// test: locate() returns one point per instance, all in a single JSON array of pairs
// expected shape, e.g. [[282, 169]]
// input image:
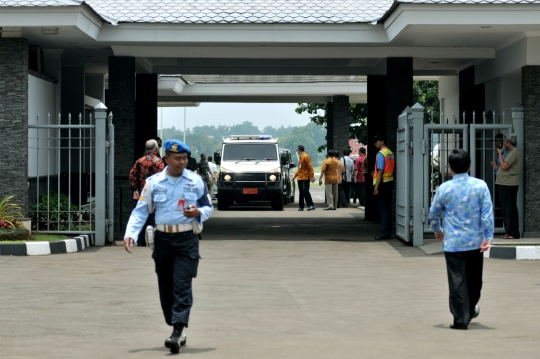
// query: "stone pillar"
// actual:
[[146, 109], [121, 102], [340, 123], [376, 98], [14, 120], [530, 91], [399, 94], [472, 98], [329, 126]]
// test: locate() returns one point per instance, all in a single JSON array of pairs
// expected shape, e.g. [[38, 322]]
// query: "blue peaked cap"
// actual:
[[176, 146]]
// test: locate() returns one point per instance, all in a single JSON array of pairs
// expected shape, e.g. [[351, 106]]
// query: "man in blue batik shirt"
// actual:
[[465, 205], [181, 203]]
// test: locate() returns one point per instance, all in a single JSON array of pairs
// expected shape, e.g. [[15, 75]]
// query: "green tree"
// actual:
[[357, 119], [427, 94]]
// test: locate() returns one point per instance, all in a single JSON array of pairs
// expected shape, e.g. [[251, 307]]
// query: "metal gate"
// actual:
[[71, 175], [422, 156]]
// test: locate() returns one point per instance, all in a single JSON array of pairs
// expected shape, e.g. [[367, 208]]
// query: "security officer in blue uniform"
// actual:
[[180, 198]]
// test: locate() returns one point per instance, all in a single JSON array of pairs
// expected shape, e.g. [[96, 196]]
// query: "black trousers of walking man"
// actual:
[[303, 188], [465, 283]]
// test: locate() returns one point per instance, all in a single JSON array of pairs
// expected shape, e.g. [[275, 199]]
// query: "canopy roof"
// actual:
[[246, 11]]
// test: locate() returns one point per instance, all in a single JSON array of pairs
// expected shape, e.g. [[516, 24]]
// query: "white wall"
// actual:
[[449, 96], [42, 101]]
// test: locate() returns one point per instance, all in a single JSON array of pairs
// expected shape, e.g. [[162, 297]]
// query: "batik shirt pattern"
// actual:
[[465, 205], [144, 167]]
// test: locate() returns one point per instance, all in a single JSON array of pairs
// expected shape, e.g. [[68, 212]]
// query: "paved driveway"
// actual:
[[302, 286]]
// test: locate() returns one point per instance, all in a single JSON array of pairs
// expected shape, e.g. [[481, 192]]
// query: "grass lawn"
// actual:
[[40, 238]]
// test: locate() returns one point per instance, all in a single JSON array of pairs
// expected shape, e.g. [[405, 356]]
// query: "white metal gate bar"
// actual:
[[402, 170], [447, 137], [95, 155]]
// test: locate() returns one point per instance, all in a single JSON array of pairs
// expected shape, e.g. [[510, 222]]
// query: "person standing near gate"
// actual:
[[359, 179], [383, 185], [508, 184], [143, 168], [465, 205], [181, 203], [329, 171], [344, 188], [304, 174]]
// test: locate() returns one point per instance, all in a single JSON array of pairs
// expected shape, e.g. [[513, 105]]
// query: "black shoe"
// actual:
[[380, 238], [328, 209], [456, 326], [476, 311], [312, 208], [173, 342], [301, 209]]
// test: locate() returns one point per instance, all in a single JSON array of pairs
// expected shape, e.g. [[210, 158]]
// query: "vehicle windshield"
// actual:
[[249, 152]]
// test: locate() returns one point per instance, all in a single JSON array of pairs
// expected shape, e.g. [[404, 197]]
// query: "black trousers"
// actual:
[[508, 196], [464, 282], [347, 190], [176, 256], [303, 188], [359, 193], [384, 201]]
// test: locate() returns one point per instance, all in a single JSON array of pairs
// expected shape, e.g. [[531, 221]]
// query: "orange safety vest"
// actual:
[[389, 164]]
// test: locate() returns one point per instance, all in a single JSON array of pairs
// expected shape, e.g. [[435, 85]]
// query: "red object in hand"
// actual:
[[182, 202]]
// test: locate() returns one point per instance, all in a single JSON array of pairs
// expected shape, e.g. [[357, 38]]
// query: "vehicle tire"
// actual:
[[223, 203], [277, 203]]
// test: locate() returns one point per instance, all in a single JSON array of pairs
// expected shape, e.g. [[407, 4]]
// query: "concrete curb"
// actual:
[[513, 252], [75, 244]]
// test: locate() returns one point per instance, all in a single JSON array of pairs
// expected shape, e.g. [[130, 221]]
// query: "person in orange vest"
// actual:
[[383, 185]]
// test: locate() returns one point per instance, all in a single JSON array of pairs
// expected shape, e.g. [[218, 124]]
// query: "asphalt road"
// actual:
[[270, 285]]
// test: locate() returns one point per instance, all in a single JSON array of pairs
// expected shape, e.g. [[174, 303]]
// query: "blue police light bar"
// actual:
[[250, 137]]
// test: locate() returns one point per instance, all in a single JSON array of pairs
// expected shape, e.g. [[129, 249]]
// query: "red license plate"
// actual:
[[249, 191]]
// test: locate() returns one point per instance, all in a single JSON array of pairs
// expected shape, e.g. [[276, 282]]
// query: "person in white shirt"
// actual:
[[213, 175]]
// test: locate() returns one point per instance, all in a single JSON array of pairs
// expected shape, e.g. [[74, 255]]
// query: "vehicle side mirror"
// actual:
[[217, 158], [284, 158]]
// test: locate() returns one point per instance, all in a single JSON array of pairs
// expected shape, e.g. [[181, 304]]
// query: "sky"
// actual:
[[214, 114]]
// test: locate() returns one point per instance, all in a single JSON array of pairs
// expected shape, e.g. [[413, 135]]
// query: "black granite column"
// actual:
[[376, 98], [340, 124], [329, 126], [146, 110], [14, 120], [530, 92], [121, 102]]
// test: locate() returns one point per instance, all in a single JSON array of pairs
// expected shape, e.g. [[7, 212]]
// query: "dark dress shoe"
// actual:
[[379, 238], [458, 326], [328, 209], [476, 311], [301, 209], [312, 208]]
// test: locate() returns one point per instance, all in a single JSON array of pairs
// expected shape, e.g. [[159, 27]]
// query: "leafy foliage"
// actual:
[[427, 94], [9, 212], [357, 119], [57, 216]]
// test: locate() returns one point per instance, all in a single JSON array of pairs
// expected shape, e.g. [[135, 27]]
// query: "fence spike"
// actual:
[[503, 117], [474, 117], [48, 118], [59, 118], [464, 122], [484, 117], [80, 118], [69, 118], [453, 117], [494, 117]]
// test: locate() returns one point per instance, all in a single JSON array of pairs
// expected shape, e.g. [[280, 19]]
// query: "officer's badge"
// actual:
[[174, 148]]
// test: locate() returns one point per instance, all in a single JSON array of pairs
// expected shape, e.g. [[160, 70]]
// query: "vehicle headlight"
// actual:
[[227, 178], [224, 170], [273, 178]]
